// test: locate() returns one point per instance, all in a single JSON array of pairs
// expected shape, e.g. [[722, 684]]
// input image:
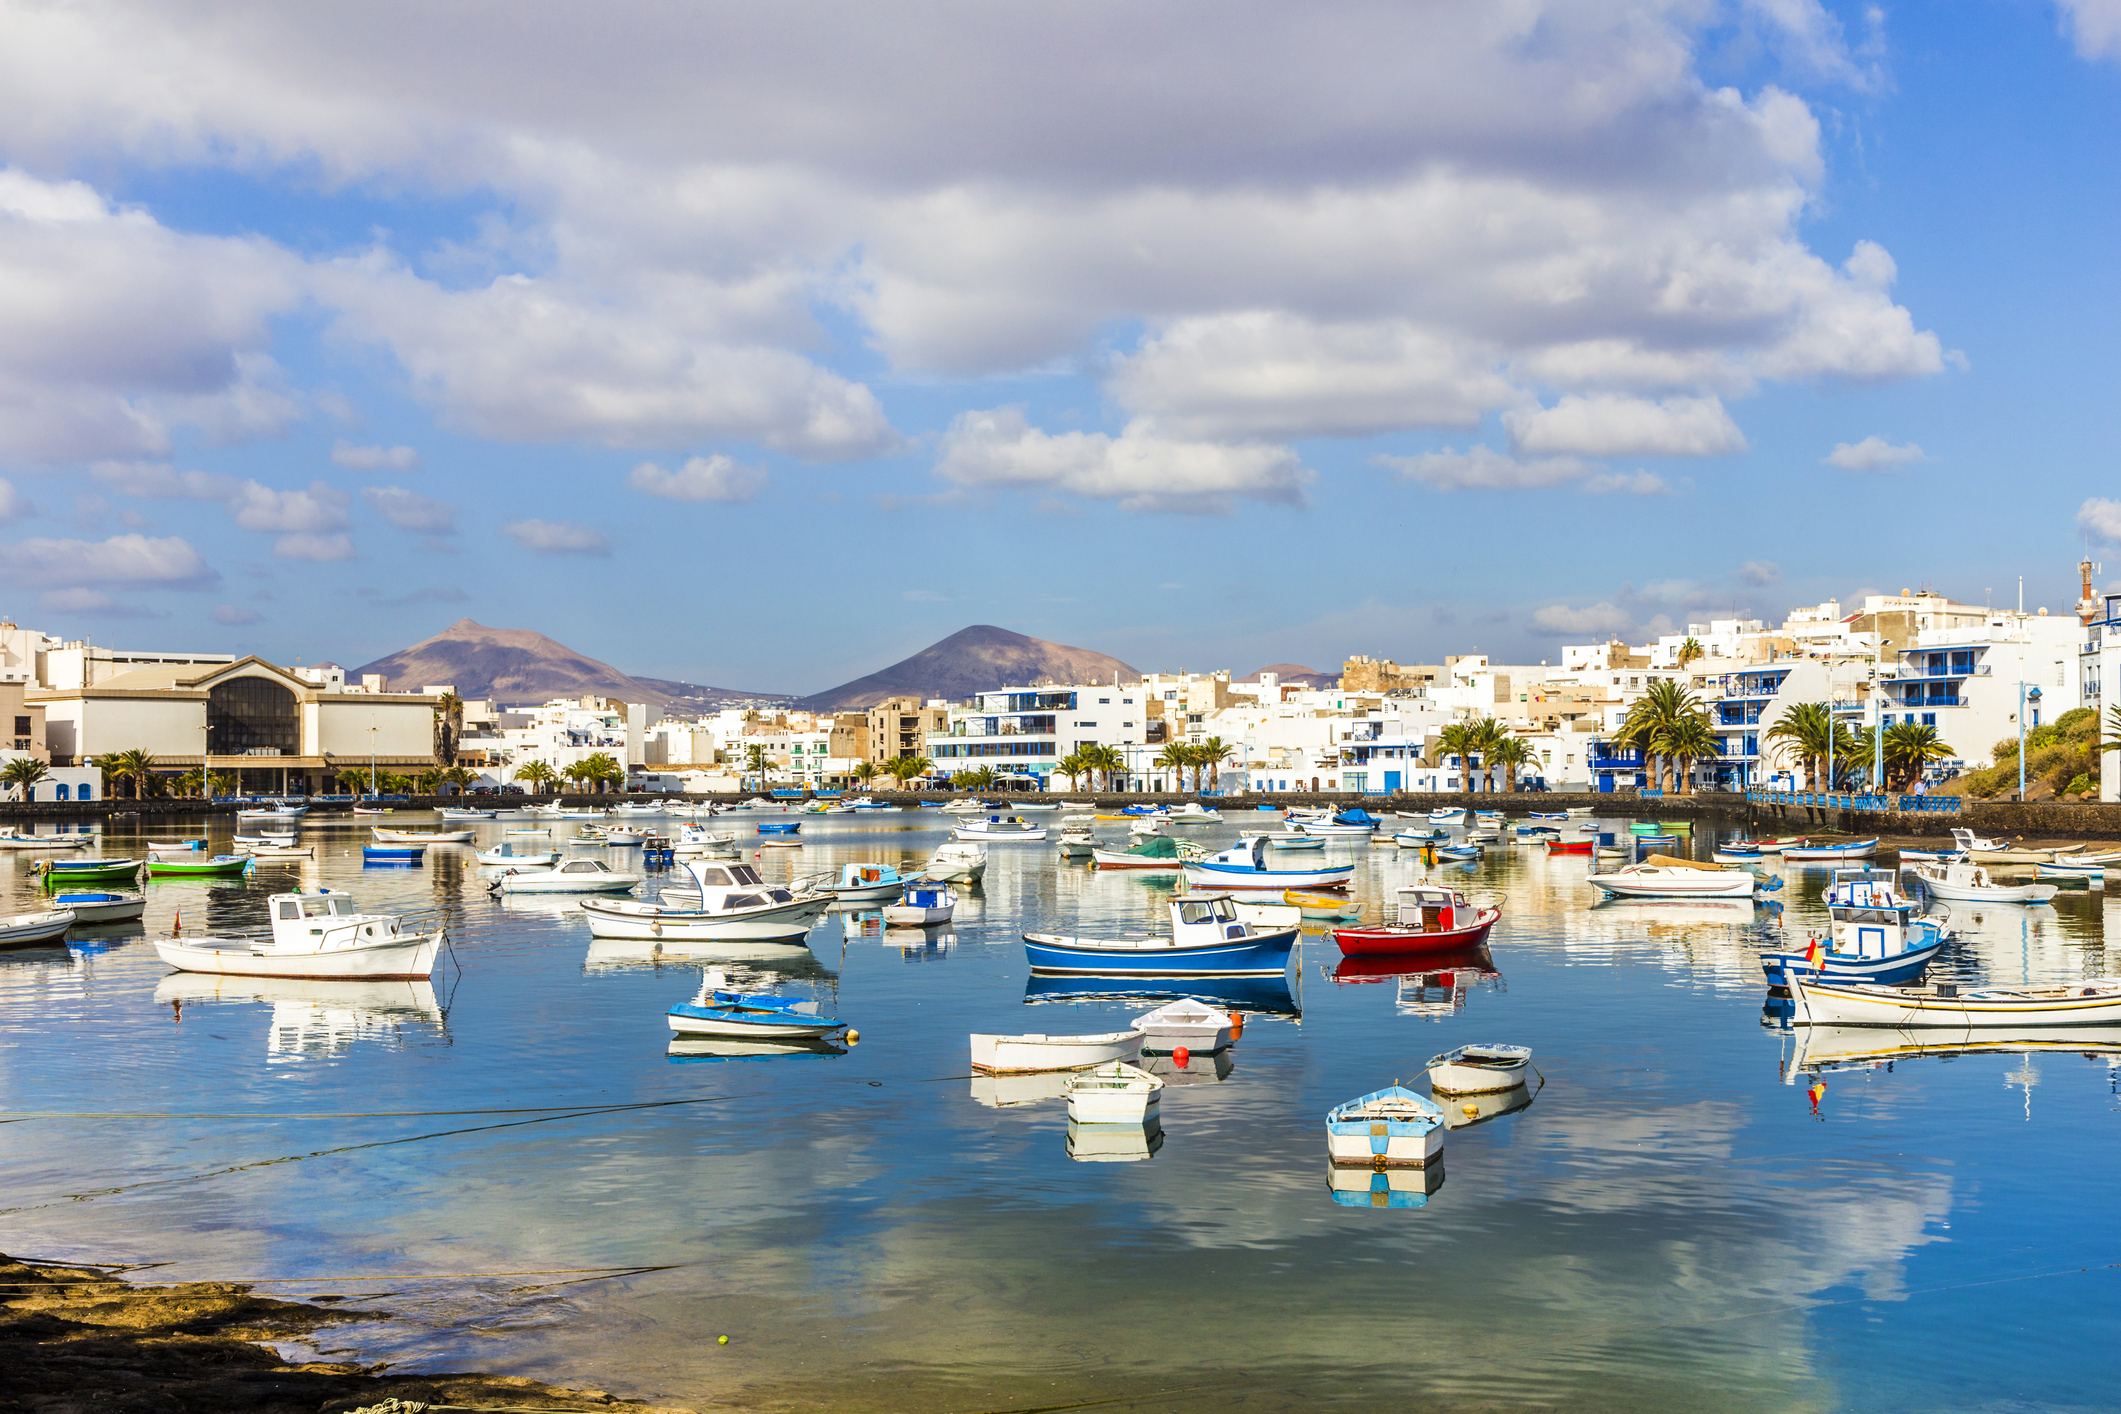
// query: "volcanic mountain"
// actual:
[[976, 659], [516, 665]]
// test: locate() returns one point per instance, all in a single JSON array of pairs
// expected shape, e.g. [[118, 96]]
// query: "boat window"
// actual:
[[742, 901], [780, 895], [341, 905], [745, 874], [716, 876], [1224, 909], [315, 907], [290, 909], [1193, 913]]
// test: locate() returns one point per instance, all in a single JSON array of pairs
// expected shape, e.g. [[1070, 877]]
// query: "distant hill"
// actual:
[[517, 665], [1297, 672], [976, 659]]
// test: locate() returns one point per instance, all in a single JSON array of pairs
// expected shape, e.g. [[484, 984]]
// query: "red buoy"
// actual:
[[1182, 1056]]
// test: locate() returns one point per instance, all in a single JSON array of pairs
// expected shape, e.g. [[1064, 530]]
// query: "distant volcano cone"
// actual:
[[518, 665], [976, 659]]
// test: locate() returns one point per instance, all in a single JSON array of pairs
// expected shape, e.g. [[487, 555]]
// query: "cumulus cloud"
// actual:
[[163, 482], [1140, 468], [1627, 483], [346, 454], [1601, 619], [1485, 469], [12, 503], [233, 614], [121, 560], [91, 602], [1759, 573], [2102, 518], [1609, 425], [1871, 454], [547, 537], [2094, 26], [713, 478], [409, 510], [318, 549]]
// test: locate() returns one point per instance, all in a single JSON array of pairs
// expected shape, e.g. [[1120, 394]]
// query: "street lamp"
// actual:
[[2024, 697]]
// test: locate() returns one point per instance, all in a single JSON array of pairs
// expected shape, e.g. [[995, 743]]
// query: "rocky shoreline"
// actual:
[[78, 1339]]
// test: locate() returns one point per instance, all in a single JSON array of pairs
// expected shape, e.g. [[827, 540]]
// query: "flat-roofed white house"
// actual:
[[273, 730]]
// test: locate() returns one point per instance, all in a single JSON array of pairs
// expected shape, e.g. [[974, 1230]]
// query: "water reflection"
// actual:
[[1383, 1188], [1114, 1143], [730, 1048], [316, 1018], [1268, 995]]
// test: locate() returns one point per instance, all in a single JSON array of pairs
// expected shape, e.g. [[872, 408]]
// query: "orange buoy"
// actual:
[[854, 1038], [1182, 1056], [1237, 1025]]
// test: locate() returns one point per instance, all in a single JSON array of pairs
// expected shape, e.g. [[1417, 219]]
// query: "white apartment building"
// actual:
[[1023, 731], [564, 732]]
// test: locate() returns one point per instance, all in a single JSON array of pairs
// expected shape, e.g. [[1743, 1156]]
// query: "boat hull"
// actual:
[[1385, 1144], [1232, 876], [1393, 941], [1457, 1078], [1739, 884], [102, 909], [899, 915], [29, 929], [406, 958], [1139, 863], [1840, 967], [1835, 1004], [1036, 1054], [1258, 955], [714, 1021], [610, 918]]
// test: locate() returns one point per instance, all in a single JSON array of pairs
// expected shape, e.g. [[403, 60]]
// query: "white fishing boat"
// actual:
[[923, 904], [91, 908], [1020, 1055], [469, 814], [1244, 866], [318, 936], [576, 876], [10, 839], [968, 807], [1388, 1128], [699, 840], [1207, 939], [1193, 812], [507, 856], [1967, 882], [1011, 828], [1187, 1023], [958, 862], [383, 836], [1114, 1093], [1662, 876], [2091, 1002], [2091, 875], [1158, 855], [1076, 841], [729, 903], [278, 851], [1813, 853], [1475, 1069], [261, 837], [24, 930]]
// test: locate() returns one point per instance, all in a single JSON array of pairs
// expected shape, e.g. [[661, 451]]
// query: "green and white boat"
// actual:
[[221, 866]]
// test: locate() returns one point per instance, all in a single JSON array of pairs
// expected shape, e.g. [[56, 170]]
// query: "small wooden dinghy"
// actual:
[[1475, 1069], [1388, 1128], [1195, 1026], [29, 929], [59, 873], [1032, 1053], [717, 1012], [221, 866], [1297, 841], [101, 907], [383, 836], [1115, 1093]]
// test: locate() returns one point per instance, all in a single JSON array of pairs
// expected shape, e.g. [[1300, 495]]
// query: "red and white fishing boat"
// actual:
[[1432, 918], [1571, 846]]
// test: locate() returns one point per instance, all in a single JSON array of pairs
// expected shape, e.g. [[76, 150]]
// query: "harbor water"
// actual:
[[519, 1168]]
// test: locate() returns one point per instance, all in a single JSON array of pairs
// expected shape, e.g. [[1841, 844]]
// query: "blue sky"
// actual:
[[763, 348]]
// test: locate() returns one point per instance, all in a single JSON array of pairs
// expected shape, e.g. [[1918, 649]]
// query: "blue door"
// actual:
[[1391, 781]]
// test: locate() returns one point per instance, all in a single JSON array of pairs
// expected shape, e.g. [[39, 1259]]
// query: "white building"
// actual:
[[1023, 731]]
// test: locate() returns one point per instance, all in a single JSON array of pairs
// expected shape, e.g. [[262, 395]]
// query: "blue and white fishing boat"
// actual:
[[1347, 822], [1207, 940], [864, 883], [1446, 817], [1877, 936], [2065, 872], [923, 904], [1415, 839], [1245, 867], [779, 827], [1537, 830], [1459, 851], [1817, 853], [716, 1012], [1550, 814], [1297, 842], [1388, 1128]]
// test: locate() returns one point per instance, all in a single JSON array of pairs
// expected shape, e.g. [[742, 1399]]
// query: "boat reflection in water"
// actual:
[[1357, 1187], [1001, 1092], [1823, 1048], [732, 1048], [1198, 1069], [930, 944], [1465, 1111], [317, 1018], [1430, 985], [1265, 996], [1114, 1143], [746, 963]]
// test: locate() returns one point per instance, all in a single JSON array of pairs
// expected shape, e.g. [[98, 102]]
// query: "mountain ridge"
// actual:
[[977, 658], [521, 665]]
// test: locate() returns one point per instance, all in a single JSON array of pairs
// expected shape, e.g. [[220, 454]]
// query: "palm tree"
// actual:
[[1212, 753], [865, 771], [23, 773], [448, 728], [1174, 758], [755, 761], [578, 774], [224, 783], [1489, 734], [1073, 767], [1911, 746], [1690, 650], [538, 775], [1682, 741], [353, 780], [192, 782], [132, 765], [1460, 739], [1656, 712], [462, 777], [429, 781], [1805, 730], [1509, 753], [603, 769], [905, 768]]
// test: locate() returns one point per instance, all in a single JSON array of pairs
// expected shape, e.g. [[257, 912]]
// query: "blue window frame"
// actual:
[[62, 792], [1929, 719]]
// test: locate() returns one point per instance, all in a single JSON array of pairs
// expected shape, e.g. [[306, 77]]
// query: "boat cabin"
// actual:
[[724, 887], [862, 876], [1431, 908], [1197, 921], [322, 921]]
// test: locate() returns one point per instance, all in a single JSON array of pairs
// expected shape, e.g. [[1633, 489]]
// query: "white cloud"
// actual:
[[2094, 26], [120, 560], [346, 454], [91, 601], [409, 510], [713, 478], [1601, 619], [321, 508], [1483, 468], [1871, 454], [234, 614], [2102, 518], [319, 549], [12, 503], [1140, 469], [1607, 425], [1759, 573], [557, 538], [161, 481], [1627, 483]]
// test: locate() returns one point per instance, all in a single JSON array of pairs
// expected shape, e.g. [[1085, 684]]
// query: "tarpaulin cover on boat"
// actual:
[[1355, 817], [1156, 847], [1666, 861]]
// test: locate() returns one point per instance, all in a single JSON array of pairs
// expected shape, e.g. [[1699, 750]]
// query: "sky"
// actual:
[[762, 346]]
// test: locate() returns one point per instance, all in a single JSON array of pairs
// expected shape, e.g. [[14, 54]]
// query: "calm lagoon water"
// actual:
[[1680, 1220]]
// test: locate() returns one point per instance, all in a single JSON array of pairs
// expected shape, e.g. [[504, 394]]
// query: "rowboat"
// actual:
[[1570, 846], [1439, 816], [393, 853], [59, 873], [576, 876], [1731, 855], [1000, 827], [1858, 849], [1245, 867], [1970, 883], [468, 814], [1388, 1128], [718, 1012], [2093, 875], [1472, 1070], [1035, 1052], [779, 827], [1661, 876], [319, 935], [957, 863], [1459, 852], [9, 839], [1157, 855], [2091, 1002], [1112, 1093], [1296, 841], [1207, 940], [1347, 822], [866, 883], [220, 866], [383, 836], [102, 907], [24, 930], [1186, 1024], [1431, 918], [262, 851]]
